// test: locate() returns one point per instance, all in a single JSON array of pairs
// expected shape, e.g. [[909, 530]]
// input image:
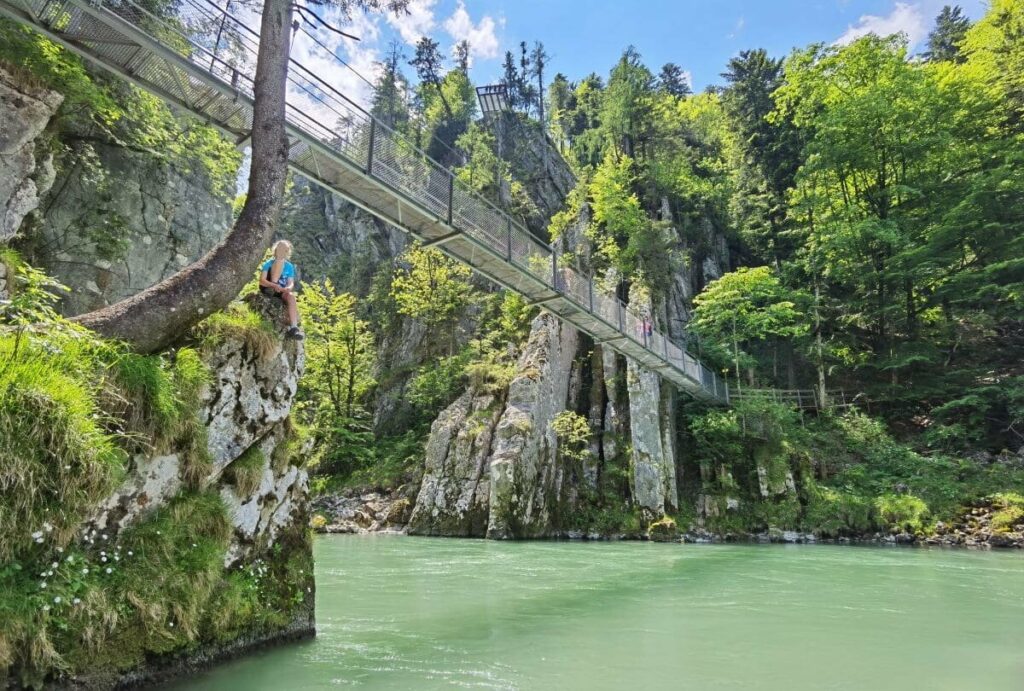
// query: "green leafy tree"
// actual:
[[339, 347], [995, 50], [430, 287], [745, 308], [626, 106], [340, 359], [874, 194]]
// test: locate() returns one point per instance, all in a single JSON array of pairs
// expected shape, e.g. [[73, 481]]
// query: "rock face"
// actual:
[[161, 219], [26, 169], [492, 464], [654, 460], [246, 407], [245, 413]]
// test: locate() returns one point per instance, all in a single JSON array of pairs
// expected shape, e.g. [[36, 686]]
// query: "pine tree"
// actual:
[[526, 91], [389, 97], [672, 80], [950, 29], [429, 67], [510, 78], [461, 54], [538, 61]]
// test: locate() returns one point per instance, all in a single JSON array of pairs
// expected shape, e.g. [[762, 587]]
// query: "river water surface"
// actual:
[[399, 612]]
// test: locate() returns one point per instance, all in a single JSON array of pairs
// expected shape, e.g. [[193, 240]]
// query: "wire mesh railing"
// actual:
[[203, 58]]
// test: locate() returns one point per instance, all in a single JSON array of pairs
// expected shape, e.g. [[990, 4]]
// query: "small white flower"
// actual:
[[117, 558], [67, 467], [171, 624], [194, 544], [43, 585], [60, 550], [104, 536], [36, 535], [46, 608], [76, 601], [110, 570], [39, 540], [47, 527], [103, 559], [70, 559], [54, 565], [56, 600], [85, 571], [131, 553], [103, 553]]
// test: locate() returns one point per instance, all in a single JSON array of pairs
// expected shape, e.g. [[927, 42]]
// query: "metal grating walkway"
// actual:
[[202, 60]]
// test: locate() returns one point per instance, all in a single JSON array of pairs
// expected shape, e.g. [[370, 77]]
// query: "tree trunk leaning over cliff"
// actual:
[[156, 317]]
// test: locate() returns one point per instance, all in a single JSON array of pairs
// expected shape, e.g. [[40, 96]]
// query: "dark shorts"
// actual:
[[271, 293]]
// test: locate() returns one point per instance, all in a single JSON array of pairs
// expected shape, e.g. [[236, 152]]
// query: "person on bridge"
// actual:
[[277, 277]]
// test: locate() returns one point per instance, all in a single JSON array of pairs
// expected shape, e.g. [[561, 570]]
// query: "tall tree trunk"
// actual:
[[156, 317]]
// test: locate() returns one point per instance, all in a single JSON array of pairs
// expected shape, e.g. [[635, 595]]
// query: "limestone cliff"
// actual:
[[200, 549], [493, 466], [26, 167]]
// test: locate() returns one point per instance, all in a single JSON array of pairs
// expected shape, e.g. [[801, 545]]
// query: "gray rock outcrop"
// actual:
[[245, 408], [26, 168], [112, 235]]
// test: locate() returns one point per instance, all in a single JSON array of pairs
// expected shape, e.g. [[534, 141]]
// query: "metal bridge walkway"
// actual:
[[201, 60]]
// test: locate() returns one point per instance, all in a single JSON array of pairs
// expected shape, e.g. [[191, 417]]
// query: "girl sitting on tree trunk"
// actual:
[[277, 277]]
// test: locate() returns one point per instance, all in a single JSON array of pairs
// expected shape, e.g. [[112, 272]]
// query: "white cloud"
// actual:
[[418, 22], [905, 18], [483, 43], [362, 56]]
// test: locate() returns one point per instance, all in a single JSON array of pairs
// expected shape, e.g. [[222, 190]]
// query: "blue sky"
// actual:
[[584, 36]]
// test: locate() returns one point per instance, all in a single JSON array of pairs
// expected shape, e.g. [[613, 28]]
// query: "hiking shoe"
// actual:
[[294, 333]]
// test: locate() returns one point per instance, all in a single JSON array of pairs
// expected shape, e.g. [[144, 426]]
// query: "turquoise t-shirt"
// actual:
[[287, 273]]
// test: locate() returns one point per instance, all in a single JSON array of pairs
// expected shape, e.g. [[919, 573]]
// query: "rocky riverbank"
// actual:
[[992, 523], [362, 511]]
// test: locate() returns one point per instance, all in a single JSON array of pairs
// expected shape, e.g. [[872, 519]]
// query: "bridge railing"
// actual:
[[218, 52]]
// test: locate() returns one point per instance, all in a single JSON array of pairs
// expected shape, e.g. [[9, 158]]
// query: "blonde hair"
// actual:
[[282, 243]]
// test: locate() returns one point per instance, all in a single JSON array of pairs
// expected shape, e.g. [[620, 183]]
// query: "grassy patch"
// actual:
[[240, 322], [57, 458], [104, 606], [246, 471]]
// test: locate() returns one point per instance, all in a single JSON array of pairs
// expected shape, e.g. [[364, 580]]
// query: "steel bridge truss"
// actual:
[[202, 59]]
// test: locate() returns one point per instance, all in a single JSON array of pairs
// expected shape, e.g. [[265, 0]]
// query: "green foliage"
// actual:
[[436, 384], [246, 471], [901, 512], [104, 605], [430, 287], [748, 307], [1009, 511], [395, 460], [833, 513], [339, 348], [573, 433], [123, 114]]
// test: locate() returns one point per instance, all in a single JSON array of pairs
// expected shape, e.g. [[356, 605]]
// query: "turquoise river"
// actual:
[[399, 612]]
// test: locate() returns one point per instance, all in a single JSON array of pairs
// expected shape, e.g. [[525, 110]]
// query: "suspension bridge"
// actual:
[[201, 60]]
